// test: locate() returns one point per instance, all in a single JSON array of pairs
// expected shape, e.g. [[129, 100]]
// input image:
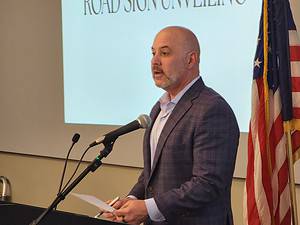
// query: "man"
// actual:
[[190, 149]]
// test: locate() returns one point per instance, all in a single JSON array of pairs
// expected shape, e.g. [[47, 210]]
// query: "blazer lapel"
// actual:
[[178, 112], [147, 151]]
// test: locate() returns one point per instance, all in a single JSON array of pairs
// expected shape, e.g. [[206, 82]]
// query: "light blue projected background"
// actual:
[[107, 75]]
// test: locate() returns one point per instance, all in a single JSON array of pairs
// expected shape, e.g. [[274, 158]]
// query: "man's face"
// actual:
[[168, 62]]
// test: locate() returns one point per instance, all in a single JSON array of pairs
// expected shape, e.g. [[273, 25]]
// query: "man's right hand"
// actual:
[[117, 205]]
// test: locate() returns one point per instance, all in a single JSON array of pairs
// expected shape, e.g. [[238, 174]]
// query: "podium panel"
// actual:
[[19, 214]]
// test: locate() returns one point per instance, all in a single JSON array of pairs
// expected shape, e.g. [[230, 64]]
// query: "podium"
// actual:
[[19, 214]]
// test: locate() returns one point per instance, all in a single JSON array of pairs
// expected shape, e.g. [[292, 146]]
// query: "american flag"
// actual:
[[275, 99]]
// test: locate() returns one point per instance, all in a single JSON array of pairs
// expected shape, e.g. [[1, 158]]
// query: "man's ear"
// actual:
[[192, 59]]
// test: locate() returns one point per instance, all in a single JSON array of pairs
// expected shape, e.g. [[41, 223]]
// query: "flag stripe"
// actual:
[[294, 38], [284, 209], [296, 112], [296, 140], [251, 202], [287, 219], [295, 68], [295, 53], [284, 177], [296, 99], [295, 84]]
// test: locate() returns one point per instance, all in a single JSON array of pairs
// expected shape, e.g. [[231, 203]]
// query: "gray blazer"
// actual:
[[194, 161]]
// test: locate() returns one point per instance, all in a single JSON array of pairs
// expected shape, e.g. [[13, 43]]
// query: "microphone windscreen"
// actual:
[[76, 137], [144, 121]]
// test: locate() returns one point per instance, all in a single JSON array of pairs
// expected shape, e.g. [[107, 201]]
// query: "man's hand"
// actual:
[[132, 212], [117, 205]]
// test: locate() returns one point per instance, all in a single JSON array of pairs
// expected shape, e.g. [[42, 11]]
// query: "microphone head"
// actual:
[[144, 121], [76, 137]]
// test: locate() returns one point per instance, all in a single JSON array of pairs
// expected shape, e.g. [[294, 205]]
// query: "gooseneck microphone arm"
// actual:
[[95, 164], [74, 141]]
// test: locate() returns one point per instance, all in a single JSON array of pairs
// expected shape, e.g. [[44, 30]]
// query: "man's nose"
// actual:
[[155, 60]]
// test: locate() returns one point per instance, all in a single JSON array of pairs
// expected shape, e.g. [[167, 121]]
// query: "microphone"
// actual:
[[75, 138], [143, 121]]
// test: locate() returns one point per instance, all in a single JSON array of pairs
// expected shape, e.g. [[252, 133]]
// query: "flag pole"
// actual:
[[287, 124]]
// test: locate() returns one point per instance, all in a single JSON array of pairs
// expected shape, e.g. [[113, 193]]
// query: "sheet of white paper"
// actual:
[[94, 201]]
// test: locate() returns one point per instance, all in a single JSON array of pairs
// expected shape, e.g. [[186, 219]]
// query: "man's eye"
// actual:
[[164, 53]]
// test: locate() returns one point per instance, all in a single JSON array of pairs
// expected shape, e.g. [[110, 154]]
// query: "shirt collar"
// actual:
[[165, 98]]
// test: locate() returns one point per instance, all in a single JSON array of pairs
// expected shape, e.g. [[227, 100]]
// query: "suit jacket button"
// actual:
[[150, 189]]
